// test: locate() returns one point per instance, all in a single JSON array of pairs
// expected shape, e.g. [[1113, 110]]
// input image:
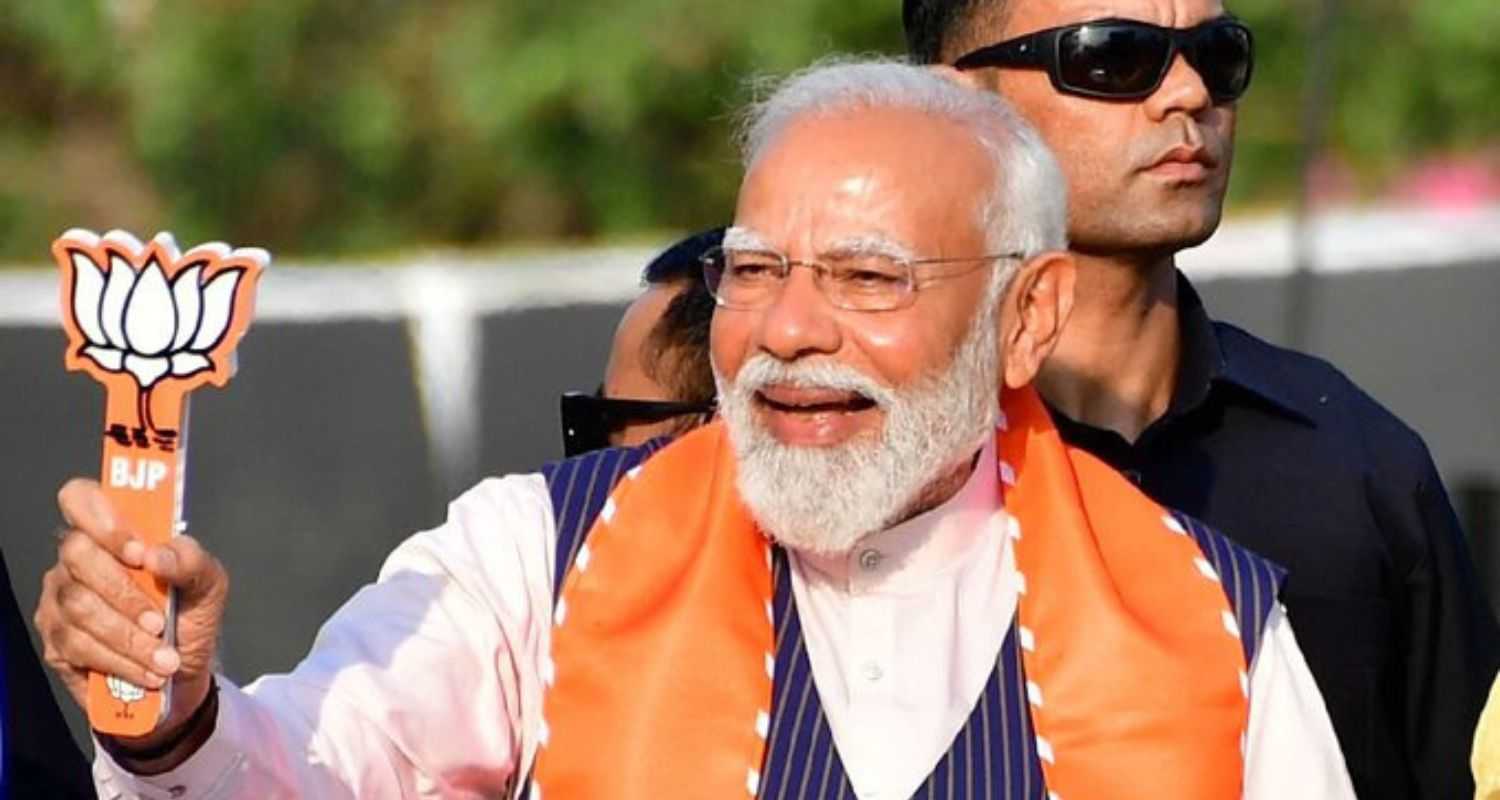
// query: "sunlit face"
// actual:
[[1145, 175], [841, 418]]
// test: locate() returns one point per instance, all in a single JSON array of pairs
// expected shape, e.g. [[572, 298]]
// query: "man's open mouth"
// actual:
[[813, 401]]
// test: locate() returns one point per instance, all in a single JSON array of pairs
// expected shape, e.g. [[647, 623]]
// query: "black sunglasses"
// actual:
[[588, 419], [1122, 59]]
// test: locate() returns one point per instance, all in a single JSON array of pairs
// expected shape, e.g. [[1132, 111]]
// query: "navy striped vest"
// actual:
[[993, 756]]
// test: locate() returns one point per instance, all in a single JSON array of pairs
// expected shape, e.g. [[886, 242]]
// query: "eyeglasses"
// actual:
[[746, 280], [588, 419], [1121, 59]]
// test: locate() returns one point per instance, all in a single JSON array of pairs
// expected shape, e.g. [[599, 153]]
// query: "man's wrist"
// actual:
[[178, 746]]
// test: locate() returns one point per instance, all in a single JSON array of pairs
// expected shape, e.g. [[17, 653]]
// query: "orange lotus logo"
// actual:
[[157, 318]]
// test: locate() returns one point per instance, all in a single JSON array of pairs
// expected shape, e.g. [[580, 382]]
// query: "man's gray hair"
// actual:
[[1026, 211]]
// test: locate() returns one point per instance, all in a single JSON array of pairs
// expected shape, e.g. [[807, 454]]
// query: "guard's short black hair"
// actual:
[[932, 26], [675, 353], [683, 260]]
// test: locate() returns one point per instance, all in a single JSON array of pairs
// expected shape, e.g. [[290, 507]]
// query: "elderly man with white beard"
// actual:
[[881, 575]]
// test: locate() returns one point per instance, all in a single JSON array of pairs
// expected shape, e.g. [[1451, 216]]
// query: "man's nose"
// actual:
[[800, 321], [1182, 90]]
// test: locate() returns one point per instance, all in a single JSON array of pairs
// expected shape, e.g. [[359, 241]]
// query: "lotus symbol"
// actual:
[[124, 691], [148, 312]]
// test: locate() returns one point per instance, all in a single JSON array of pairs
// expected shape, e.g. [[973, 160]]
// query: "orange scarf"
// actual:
[[662, 654]]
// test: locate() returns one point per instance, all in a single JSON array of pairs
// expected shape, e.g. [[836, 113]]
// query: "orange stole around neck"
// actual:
[[662, 654]]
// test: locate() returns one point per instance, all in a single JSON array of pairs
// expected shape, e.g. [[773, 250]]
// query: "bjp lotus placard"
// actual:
[[152, 324]]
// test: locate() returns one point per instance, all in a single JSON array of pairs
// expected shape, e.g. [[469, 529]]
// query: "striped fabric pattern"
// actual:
[[1251, 582], [579, 486], [994, 756]]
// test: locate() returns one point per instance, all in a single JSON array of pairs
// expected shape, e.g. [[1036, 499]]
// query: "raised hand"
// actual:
[[93, 616]]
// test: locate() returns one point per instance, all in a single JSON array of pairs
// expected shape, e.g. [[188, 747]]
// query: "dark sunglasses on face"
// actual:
[[1122, 59], [588, 419]]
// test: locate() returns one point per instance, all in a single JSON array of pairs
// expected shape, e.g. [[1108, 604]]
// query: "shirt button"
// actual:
[[873, 672], [870, 559]]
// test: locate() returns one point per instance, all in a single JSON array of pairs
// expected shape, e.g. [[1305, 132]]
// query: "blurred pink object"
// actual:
[[1451, 183]]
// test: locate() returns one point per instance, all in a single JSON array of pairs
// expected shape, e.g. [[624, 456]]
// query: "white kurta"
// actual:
[[427, 683]]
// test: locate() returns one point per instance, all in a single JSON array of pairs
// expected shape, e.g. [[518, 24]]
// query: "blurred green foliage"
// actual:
[[339, 126], [1411, 78]]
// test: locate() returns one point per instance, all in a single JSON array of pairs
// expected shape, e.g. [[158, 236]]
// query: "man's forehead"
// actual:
[[871, 240], [901, 175]]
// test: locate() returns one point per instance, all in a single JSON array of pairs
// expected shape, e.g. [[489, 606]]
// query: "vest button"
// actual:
[[870, 559]]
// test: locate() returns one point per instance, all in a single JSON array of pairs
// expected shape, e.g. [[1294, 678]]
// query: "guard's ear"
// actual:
[[1034, 310]]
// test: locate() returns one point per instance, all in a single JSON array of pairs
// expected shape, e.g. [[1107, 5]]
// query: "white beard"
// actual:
[[825, 499]]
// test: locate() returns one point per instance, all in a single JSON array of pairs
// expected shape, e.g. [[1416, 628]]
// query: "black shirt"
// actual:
[[40, 757], [1283, 453]]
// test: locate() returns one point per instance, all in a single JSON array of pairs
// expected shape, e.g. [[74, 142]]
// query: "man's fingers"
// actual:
[[184, 563], [87, 563], [86, 508], [74, 679], [81, 651], [78, 500], [85, 612]]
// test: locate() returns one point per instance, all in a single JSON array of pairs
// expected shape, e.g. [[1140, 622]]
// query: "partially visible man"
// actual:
[[661, 346], [1280, 450], [657, 381], [880, 574]]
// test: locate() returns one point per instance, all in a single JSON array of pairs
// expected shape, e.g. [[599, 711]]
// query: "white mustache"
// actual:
[[762, 370]]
